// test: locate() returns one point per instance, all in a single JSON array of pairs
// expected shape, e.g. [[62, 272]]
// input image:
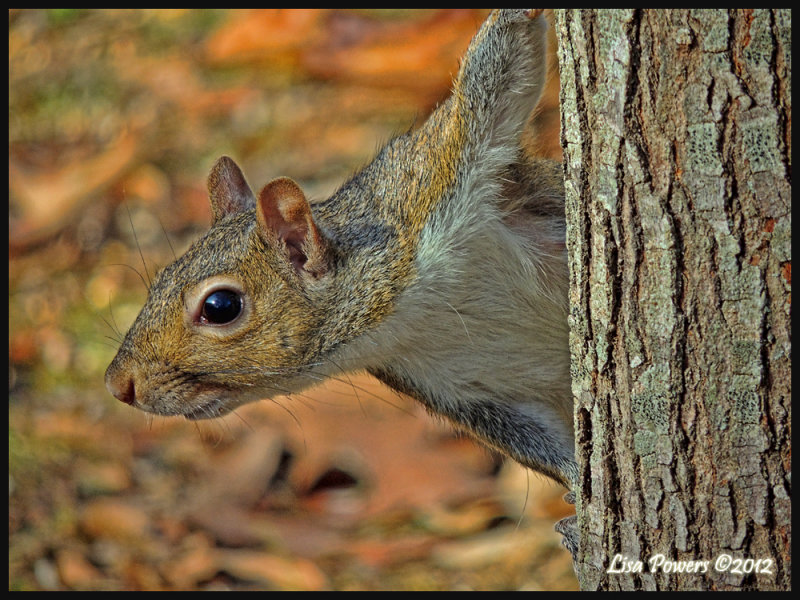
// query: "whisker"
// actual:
[[525, 503], [138, 247], [352, 385], [134, 269], [462, 321], [169, 242], [113, 325], [379, 396], [244, 421], [296, 420], [116, 341]]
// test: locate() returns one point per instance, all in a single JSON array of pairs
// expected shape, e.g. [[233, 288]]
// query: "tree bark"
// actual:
[[676, 131]]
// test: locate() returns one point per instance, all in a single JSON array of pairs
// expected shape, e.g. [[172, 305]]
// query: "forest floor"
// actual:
[[115, 118]]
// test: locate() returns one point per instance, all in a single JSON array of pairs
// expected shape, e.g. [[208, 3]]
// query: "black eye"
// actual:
[[221, 306]]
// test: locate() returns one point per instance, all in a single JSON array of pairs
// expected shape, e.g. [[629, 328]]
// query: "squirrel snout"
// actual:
[[121, 386]]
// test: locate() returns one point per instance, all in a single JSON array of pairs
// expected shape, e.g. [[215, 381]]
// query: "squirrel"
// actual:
[[440, 268]]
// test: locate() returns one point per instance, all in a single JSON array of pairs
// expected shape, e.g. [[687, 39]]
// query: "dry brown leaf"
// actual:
[[75, 571], [384, 552], [114, 519], [246, 468], [399, 458], [232, 484], [198, 563], [419, 53], [273, 571], [416, 54], [176, 85], [276, 35], [44, 201]]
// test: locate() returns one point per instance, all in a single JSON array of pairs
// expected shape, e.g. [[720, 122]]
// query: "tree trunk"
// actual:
[[676, 131]]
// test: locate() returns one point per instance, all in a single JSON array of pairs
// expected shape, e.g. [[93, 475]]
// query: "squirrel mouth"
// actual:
[[210, 410]]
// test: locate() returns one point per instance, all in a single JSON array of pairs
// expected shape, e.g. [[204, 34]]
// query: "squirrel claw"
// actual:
[[568, 527]]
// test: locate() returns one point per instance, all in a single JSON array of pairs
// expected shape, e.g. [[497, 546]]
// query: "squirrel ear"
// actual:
[[228, 189], [284, 212]]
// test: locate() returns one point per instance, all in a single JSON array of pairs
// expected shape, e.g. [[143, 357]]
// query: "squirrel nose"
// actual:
[[121, 387]]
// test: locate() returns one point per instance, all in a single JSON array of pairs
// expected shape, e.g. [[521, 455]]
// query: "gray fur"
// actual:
[[441, 270]]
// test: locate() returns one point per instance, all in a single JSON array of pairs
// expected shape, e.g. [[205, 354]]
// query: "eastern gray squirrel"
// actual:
[[440, 268]]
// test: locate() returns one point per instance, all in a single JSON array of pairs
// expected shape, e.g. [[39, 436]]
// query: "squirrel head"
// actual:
[[232, 319]]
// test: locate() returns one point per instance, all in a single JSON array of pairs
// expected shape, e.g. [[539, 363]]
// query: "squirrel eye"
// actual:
[[221, 307]]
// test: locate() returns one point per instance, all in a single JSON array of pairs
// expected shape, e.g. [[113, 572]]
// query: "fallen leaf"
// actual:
[[114, 519], [395, 461], [44, 201], [419, 54], [276, 35], [385, 552], [273, 571], [75, 571], [198, 563]]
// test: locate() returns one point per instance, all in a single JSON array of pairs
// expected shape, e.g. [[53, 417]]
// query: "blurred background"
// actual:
[[115, 118]]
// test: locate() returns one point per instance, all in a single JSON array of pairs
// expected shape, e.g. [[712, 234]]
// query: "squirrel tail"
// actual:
[[502, 77]]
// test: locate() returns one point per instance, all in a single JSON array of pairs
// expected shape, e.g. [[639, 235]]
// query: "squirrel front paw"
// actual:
[[568, 528]]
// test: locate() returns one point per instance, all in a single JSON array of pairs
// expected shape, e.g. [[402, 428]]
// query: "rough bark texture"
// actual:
[[676, 130]]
